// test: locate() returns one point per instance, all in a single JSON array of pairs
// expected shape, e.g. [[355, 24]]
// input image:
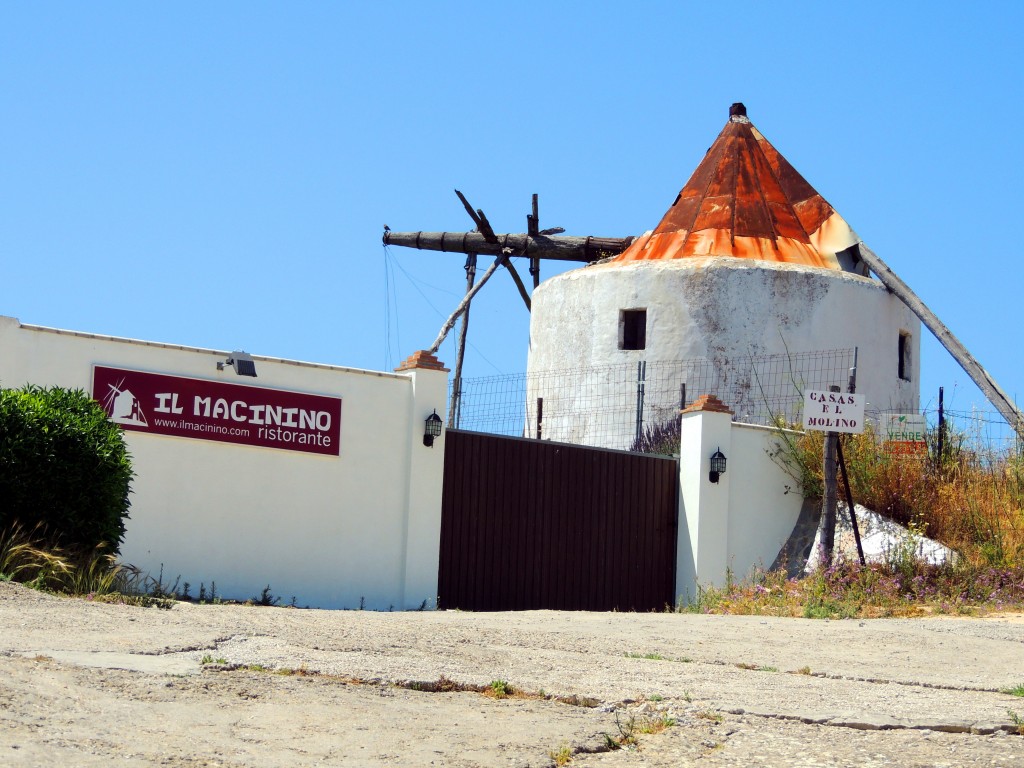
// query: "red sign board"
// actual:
[[214, 410], [905, 448]]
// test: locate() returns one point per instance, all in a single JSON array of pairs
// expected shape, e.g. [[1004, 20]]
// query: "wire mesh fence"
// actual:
[[985, 433], [611, 406]]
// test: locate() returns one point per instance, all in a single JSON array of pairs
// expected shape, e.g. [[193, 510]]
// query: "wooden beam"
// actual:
[[999, 399], [485, 227], [558, 248], [469, 208], [532, 229]]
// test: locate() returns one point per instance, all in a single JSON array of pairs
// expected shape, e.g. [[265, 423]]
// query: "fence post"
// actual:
[[641, 377], [942, 429], [830, 500], [540, 416]]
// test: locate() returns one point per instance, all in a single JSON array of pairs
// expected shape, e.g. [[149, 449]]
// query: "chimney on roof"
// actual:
[[737, 110]]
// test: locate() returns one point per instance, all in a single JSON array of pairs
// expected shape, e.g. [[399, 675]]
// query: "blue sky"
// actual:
[[219, 174]]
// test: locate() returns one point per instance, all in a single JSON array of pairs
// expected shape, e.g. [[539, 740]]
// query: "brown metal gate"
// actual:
[[530, 524]]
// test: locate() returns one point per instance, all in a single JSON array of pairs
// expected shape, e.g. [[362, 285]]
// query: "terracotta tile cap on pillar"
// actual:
[[707, 403], [421, 359]]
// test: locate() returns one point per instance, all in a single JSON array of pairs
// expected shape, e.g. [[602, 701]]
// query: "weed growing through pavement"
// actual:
[[630, 726], [562, 755], [299, 671], [656, 657], [496, 689], [1017, 690], [804, 671], [1017, 720], [575, 700], [627, 732], [499, 689], [651, 725], [710, 714]]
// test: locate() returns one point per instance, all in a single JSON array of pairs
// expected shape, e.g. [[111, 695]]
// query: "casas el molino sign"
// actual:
[[214, 410], [834, 412]]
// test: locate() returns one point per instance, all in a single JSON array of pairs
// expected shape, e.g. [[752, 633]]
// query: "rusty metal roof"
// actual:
[[746, 201]]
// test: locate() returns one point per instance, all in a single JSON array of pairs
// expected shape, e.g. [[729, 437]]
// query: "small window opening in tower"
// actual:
[[633, 329], [904, 356]]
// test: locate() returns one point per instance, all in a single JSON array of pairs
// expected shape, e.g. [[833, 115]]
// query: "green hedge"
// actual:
[[64, 467]]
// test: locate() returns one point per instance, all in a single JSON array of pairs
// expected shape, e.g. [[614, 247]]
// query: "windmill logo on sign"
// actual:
[[123, 407]]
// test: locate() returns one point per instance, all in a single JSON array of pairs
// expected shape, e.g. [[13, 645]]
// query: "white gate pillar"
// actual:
[[426, 480], [702, 549]]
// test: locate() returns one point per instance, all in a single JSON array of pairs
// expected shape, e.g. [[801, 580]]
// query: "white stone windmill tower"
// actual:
[[748, 260]]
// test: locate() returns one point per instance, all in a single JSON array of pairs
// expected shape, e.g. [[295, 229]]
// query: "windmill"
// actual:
[[744, 201]]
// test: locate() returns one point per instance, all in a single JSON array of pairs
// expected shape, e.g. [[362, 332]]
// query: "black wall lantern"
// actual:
[[431, 429], [717, 465]]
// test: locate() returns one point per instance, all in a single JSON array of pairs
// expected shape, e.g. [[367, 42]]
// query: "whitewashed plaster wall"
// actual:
[[721, 309], [331, 530], [742, 521]]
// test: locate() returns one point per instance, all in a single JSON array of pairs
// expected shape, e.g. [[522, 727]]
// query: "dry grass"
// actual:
[[651, 725], [849, 590], [95, 573], [970, 500]]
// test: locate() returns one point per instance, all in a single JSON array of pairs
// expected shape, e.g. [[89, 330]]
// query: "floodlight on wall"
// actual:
[[717, 466], [242, 362], [431, 429]]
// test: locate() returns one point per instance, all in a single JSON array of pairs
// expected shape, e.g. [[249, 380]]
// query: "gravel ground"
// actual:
[[83, 683]]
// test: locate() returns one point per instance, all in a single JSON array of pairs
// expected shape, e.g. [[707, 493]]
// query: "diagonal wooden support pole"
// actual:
[[450, 322], [1002, 402]]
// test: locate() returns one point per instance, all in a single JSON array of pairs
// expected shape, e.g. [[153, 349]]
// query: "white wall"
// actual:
[[330, 530], [764, 499], [722, 309], [739, 523]]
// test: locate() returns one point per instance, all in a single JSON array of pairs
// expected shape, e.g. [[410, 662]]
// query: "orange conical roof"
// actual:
[[746, 201]]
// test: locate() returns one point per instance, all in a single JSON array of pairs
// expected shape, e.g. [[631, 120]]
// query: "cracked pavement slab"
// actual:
[[85, 683]]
